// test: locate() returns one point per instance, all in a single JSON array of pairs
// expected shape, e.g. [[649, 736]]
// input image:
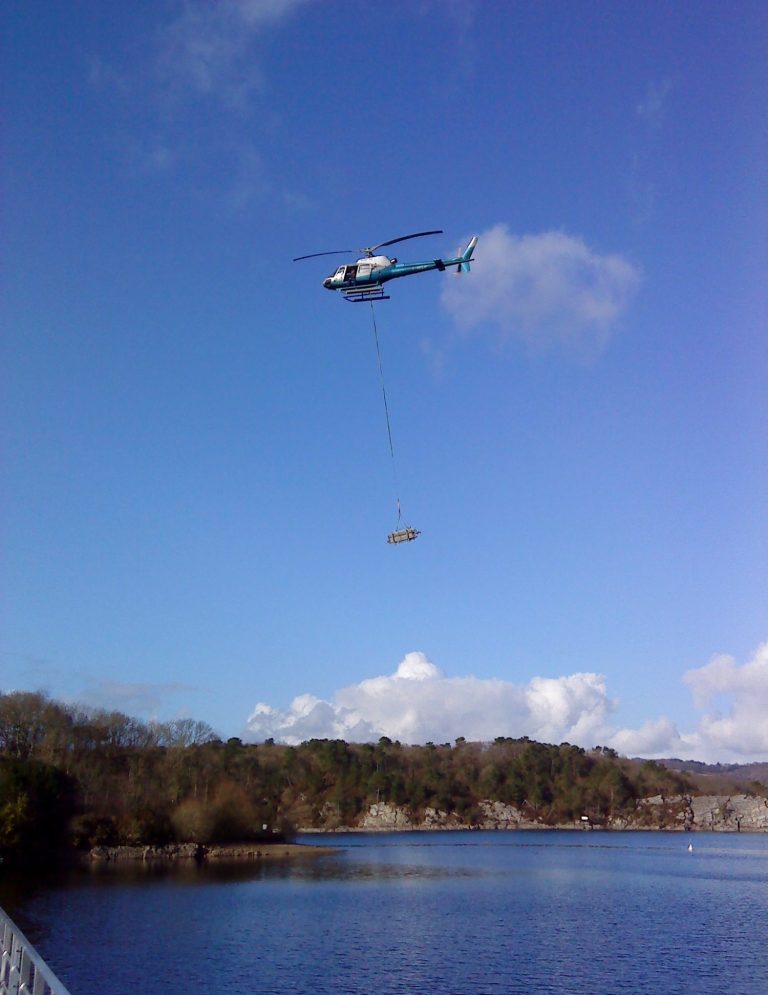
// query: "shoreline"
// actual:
[[657, 814], [194, 853], [561, 828], [199, 853]]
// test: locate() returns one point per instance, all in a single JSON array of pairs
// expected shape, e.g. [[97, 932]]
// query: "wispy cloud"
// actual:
[[190, 104], [139, 699], [652, 107], [207, 49], [418, 703], [549, 289]]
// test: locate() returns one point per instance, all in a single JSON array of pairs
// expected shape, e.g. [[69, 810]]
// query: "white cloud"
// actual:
[[733, 729], [742, 728], [656, 738], [545, 289], [419, 704], [722, 675]]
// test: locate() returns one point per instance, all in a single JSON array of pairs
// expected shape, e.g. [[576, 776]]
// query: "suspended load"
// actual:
[[403, 535], [363, 281]]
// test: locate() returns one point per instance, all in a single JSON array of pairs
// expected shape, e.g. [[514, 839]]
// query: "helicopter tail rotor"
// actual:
[[466, 256]]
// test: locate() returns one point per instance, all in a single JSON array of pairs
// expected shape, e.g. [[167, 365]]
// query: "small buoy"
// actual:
[[403, 535], [690, 848]]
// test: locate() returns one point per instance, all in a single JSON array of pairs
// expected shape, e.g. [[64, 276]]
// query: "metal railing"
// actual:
[[22, 970]]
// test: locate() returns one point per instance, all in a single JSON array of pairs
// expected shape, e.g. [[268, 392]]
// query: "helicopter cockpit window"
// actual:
[[340, 271]]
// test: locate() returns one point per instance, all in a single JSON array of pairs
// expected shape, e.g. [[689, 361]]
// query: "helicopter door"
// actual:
[[350, 274], [363, 271]]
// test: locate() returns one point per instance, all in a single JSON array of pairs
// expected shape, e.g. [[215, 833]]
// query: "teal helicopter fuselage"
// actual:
[[363, 280]]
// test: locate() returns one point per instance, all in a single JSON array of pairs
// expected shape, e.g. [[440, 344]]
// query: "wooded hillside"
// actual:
[[74, 776]]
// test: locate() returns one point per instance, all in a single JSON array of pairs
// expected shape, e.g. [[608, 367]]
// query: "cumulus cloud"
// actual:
[[734, 726], [545, 289], [655, 738], [722, 675], [739, 726], [418, 704]]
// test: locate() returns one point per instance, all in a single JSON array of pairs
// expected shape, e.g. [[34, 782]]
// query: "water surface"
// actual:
[[501, 912]]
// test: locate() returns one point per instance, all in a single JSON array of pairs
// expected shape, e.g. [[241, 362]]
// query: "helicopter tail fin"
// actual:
[[466, 256]]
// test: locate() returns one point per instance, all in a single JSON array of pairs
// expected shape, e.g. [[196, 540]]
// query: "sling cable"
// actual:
[[403, 533]]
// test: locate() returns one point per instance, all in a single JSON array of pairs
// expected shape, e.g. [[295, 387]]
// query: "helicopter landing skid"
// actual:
[[371, 292]]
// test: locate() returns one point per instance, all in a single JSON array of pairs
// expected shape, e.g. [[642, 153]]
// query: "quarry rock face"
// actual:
[[383, 816], [497, 815], [720, 813], [730, 813]]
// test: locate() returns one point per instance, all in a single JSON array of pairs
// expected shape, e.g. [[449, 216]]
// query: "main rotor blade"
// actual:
[[404, 238], [371, 249], [333, 252]]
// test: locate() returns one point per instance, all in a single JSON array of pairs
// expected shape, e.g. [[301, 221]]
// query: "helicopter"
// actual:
[[364, 280]]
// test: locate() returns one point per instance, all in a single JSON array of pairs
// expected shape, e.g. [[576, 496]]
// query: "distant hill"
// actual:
[[738, 773]]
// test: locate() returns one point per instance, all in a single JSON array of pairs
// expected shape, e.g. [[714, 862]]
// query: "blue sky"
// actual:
[[197, 482]]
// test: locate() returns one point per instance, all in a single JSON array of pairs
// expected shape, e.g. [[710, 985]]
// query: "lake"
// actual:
[[480, 912]]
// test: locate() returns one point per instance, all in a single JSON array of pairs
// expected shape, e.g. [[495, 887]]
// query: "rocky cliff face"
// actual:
[[495, 815], [722, 813], [384, 817], [730, 813]]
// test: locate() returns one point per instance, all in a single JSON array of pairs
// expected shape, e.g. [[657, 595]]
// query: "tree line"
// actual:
[[77, 777]]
